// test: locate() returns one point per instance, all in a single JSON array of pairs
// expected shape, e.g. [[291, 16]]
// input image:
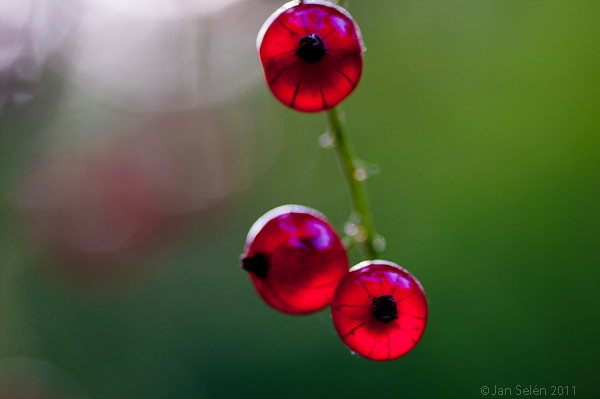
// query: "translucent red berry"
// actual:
[[312, 54], [295, 259], [379, 310]]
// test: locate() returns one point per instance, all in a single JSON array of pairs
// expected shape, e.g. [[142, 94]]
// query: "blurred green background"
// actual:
[[484, 118]]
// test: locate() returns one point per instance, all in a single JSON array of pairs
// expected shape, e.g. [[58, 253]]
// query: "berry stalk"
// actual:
[[355, 175]]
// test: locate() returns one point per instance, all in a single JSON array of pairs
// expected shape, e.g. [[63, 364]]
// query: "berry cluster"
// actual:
[[312, 57]]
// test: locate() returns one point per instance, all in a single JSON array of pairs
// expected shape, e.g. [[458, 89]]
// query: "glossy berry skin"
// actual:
[[295, 259], [312, 55], [379, 310]]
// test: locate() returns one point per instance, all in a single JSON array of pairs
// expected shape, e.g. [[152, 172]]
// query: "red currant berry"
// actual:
[[379, 310], [295, 259], [312, 54]]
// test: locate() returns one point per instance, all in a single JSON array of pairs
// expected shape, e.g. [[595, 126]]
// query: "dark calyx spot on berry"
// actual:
[[311, 48], [257, 264], [384, 308]]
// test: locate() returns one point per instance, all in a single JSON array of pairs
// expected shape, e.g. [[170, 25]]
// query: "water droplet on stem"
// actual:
[[326, 140]]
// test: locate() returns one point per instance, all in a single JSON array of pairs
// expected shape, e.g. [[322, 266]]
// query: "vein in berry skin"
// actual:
[[297, 88], [408, 296], [389, 346], [272, 59], [361, 283], [278, 74], [373, 346], [343, 74], [412, 315], [330, 32], [352, 306], [355, 328], [304, 24], [318, 24], [395, 285], [411, 338], [276, 295], [356, 312], [289, 30], [320, 87], [315, 287]]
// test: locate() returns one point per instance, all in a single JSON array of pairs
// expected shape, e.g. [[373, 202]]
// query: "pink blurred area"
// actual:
[[158, 119], [72, 209]]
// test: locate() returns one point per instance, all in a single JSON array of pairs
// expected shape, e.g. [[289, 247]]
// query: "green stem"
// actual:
[[355, 175]]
